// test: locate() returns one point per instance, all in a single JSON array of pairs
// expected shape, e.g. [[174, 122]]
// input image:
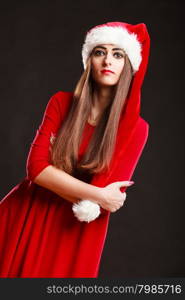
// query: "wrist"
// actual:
[[98, 197]]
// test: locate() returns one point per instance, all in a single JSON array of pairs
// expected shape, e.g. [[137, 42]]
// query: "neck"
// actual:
[[102, 97]]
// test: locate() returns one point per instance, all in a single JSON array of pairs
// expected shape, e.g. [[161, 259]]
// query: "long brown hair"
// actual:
[[97, 157]]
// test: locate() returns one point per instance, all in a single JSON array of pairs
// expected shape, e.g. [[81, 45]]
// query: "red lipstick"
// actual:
[[106, 71]]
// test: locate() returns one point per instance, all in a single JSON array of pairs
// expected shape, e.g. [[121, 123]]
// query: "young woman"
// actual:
[[54, 223]]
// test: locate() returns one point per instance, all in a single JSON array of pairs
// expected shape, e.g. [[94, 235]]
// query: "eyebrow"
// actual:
[[106, 48]]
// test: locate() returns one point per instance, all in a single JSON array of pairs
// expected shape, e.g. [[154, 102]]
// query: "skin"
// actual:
[[105, 56]]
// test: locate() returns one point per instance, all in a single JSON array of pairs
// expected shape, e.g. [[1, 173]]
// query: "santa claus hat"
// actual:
[[117, 33]]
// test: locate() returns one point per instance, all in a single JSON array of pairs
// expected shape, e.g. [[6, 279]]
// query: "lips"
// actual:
[[106, 71]]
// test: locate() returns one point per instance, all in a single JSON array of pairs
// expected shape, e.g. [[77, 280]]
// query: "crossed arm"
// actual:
[[67, 186]]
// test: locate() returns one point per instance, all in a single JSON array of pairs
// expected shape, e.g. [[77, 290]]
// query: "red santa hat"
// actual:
[[117, 33], [135, 41]]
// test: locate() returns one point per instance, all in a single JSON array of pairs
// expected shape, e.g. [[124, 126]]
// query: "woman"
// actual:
[[54, 223]]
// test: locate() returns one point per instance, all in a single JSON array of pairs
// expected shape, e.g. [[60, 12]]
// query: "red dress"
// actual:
[[39, 235]]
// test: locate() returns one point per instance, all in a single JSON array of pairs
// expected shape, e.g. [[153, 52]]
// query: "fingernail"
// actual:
[[131, 182]]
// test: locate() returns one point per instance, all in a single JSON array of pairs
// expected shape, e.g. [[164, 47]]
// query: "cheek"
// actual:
[[95, 66], [120, 67]]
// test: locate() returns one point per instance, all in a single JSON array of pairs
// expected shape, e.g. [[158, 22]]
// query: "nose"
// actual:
[[107, 59]]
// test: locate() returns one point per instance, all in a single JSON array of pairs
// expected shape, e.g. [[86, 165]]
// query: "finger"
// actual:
[[124, 183], [124, 196]]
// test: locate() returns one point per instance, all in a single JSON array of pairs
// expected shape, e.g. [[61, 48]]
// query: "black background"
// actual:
[[40, 54]]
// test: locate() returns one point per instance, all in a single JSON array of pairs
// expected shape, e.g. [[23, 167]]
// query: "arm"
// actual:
[[126, 162], [67, 186], [40, 170]]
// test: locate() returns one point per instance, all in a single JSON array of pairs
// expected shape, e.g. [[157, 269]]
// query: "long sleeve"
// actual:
[[124, 164], [127, 163], [39, 153]]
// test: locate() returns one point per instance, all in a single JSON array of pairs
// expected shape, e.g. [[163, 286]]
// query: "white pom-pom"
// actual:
[[86, 210]]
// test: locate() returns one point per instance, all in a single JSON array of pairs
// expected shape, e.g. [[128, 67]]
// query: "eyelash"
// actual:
[[99, 51]]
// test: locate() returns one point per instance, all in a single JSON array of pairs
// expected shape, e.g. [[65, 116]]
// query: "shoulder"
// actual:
[[61, 99], [59, 103], [61, 96]]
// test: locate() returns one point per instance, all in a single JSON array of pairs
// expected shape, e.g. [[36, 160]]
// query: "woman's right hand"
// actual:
[[111, 196]]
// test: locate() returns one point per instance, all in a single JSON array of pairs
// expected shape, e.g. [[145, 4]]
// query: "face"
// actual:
[[107, 62]]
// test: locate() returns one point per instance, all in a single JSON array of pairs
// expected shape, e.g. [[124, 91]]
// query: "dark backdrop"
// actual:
[[40, 54]]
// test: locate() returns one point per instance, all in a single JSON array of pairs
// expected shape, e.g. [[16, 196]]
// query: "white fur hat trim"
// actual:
[[113, 35]]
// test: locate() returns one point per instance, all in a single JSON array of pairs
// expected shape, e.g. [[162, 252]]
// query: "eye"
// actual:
[[98, 52], [118, 54]]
